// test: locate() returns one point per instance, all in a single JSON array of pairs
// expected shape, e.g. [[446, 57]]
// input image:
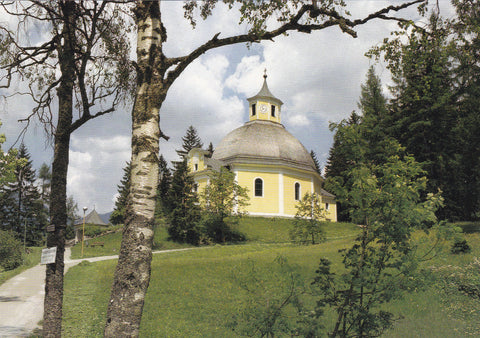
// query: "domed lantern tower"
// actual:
[[270, 162]]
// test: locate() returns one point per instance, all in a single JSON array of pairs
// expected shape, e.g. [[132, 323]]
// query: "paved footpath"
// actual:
[[21, 297]]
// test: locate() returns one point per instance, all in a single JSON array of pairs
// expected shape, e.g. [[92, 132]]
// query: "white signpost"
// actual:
[[48, 255]]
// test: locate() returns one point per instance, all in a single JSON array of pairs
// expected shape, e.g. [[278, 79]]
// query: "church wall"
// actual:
[[331, 212], [268, 203], [289, 191]]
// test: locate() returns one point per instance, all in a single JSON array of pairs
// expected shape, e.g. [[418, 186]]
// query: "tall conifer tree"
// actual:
[[26, 208], [184, 212], [118, 214], [190, 140], [346, 150]]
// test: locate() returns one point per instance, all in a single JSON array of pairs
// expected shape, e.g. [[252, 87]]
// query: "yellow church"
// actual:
[[270, 162]]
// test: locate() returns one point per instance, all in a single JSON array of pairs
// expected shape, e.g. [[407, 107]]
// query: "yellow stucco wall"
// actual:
[[274, 178], [268, 203], [267, 115], [289, 181], [196, 160], [330, 207]]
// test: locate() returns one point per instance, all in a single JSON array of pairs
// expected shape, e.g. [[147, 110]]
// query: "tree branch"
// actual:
[[335, 19]]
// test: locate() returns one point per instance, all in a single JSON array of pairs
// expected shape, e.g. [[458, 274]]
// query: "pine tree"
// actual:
[[190, 140], [349, 150], [315, 161], [28, 212], [210, 150], [118, 214], [184, 212], [164, 183]]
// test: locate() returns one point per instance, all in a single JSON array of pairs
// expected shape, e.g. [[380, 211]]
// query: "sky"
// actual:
[[317, 76]]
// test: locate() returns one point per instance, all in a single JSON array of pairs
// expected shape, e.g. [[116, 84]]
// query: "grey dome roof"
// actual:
[[263, 142]]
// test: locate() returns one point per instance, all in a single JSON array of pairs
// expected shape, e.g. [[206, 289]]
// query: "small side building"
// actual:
[[270, 162], [93, 218]]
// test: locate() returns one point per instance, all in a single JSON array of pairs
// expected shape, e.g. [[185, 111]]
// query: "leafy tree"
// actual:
[[184, 211], [156, 72], [308, 220], [273, 294], [72, 216], [82, 64], [10, 250], [45, 175], [315, 161], [118, 214], [464, 49], [387, 203], [223, 198], [8, 163]]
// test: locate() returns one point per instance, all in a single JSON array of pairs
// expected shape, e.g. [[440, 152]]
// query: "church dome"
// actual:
[[263, 142]]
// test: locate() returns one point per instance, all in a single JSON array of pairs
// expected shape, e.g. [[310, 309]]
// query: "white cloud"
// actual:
[[317, 76]]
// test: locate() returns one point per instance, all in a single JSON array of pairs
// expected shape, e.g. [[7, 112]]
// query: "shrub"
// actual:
[[460, 246], [10, 250], [218, 230]]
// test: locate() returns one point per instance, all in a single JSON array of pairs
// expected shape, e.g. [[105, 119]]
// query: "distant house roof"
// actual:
[[91, 218]]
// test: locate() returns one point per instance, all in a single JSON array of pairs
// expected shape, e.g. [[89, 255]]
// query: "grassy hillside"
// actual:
[[199, 293]]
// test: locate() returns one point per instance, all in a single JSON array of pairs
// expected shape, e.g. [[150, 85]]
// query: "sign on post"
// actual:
[[48, 255]]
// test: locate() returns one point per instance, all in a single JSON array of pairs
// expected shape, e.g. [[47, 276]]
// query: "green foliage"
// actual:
[[190, 140], [118, 214], [200, 291], [164, 184], [368, 144], [182, 206], [218, 230], [45, 175], [385, 194], [460, 246], [22, 209], [273, 296], [222, 198], [92, 230], [315, 161], [307, 226], [10, 250], [434, 111]]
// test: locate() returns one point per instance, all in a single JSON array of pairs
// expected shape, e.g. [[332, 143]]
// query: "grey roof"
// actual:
[[265, 93], [214, 164], [325, 193], [264, 142], [91, 218]]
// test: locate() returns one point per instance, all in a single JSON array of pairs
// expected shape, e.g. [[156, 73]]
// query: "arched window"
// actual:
[[297, 191], [254, 110], [273, 110], [258, 187]]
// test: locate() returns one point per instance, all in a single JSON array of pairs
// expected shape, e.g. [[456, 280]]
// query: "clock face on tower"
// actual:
[[263, 108]]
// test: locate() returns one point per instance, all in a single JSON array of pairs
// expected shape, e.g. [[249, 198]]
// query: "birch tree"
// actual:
[[80, 65], [156, 72]]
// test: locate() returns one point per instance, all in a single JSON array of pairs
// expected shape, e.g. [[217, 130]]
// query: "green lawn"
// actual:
[[195, 293]]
